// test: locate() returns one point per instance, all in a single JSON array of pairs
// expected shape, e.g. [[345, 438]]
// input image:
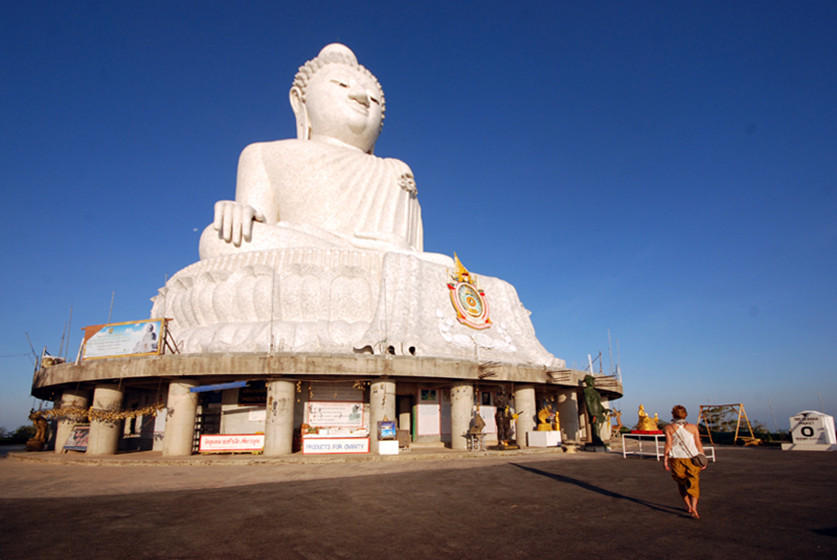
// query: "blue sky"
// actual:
[[667, 171]]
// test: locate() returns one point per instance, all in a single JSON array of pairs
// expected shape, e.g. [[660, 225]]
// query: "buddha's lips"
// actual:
[[359, 107]]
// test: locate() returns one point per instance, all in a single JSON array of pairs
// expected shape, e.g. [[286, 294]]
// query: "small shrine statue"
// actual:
[[596, 412], [548, 419], [477, 423], [38, 441], [646, 423]]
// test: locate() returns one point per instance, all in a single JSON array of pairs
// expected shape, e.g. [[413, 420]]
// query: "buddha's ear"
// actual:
[[303, 129]]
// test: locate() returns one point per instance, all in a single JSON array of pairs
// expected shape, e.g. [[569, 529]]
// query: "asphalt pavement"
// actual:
[[756, 503]]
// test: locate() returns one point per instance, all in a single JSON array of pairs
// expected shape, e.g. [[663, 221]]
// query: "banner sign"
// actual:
[[77, 440], [320, 445], [335, 414], [134, 338], [232, 443]]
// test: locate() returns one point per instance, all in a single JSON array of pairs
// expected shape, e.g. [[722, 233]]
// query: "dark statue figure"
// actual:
[[596, 412], [503, 418]]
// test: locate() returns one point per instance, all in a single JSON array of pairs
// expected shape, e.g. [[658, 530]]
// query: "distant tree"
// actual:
[[22, 434], [720, 419]]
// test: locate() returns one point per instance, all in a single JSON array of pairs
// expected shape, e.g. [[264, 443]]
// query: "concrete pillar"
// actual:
[[527, 408], [381, 407], [279, 421], [104, 434], [568, 414], [461, 412], [181, 408], [77, 398], [604, 433]]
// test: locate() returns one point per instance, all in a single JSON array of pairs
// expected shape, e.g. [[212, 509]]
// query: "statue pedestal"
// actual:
[[543, 439], [343, 302], [34, 445], [809, 447]]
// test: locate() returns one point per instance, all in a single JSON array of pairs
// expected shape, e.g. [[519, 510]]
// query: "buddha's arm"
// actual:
[[254, 200], [253, 185]]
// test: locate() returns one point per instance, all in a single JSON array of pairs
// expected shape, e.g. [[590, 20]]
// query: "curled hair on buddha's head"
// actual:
[[335, 53], [679, 412]]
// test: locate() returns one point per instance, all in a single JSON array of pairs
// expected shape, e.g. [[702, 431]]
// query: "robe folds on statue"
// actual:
[[326, 196]]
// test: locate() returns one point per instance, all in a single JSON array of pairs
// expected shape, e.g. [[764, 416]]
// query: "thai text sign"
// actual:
[[319, 445], [335, 414], [232, 443], [134, 338]]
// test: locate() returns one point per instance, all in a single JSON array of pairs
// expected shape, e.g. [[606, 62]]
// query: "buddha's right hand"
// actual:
[[234, 221]]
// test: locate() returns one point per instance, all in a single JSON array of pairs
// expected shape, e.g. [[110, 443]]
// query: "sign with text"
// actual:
[[335, 392], [232, 443], [133, 338], [814, 427], [315, 445], [77, 441], [335, 414]]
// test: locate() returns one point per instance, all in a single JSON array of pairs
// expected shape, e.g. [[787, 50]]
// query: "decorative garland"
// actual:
[[80, 414]]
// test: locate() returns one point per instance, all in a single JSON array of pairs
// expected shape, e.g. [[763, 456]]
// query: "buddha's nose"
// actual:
[[359, 95]]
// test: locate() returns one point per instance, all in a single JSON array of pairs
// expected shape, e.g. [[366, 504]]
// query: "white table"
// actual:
[[652, 441], [659, 441]]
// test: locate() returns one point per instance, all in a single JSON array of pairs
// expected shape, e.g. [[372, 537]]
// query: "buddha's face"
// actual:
[[344, 104]]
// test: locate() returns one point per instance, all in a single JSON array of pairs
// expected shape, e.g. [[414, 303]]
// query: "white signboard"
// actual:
[[811, 426], [315, 445], [257, 415], [135, 338], [335, 414], [487, 413], [428, 413], [232, 443]]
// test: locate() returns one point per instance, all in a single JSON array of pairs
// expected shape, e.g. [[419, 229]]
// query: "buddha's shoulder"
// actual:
[[301, 150], [276, 146]]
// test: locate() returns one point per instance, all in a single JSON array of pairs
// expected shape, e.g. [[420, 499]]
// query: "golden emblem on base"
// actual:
[[467, 299]]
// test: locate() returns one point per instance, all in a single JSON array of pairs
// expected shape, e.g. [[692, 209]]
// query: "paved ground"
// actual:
[[757, 503]]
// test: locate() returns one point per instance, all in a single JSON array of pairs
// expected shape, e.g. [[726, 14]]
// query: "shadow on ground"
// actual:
[[756, 504]]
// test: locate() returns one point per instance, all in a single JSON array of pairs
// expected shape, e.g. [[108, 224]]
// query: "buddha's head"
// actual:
[[335, 98]]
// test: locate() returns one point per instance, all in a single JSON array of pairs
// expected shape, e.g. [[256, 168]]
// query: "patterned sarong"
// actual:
[[686, 474]]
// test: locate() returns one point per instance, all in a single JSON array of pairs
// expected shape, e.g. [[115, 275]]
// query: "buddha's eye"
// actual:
[[339, 83]]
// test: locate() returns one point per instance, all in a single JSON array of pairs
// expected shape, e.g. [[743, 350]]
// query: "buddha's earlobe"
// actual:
[[303, 128]]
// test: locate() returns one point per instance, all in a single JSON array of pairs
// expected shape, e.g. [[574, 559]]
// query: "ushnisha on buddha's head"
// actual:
[[338, 101]]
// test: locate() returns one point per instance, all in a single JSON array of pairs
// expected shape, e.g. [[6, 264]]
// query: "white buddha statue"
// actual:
[[322, 249], [324, 189]]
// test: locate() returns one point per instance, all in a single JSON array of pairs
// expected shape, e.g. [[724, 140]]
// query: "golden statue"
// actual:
[[38, 441], [548, 420], [646, 423], [616, 429]]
